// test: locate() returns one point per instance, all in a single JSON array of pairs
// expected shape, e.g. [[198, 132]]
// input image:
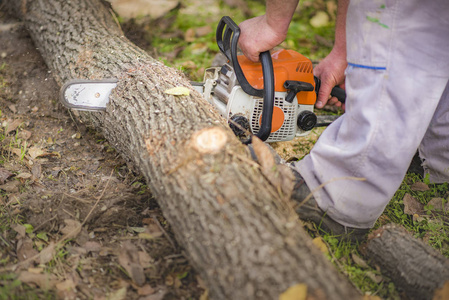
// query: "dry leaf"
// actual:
[[371, 297], [35, 152], [145, 290], [44, 281], [320, 19], [20, 229], [296, 292], [412, 206], [24, 175], [319, 242], [438, 204], [119, 294], [4, 175], [47, 254], [11, 126], [72, 228], [442, 293], [129, 260], [66, 285], [178, 91], [359, 261], [11, 186], [419, 187]]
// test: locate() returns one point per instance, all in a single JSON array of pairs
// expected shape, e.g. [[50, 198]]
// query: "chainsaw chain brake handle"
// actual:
[[227, 35]]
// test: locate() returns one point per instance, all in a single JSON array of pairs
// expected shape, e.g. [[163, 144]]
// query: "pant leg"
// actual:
[[434, 148], [398, 68]]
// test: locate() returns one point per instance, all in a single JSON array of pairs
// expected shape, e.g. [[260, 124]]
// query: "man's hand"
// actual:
[[256, 36], [331, 72]]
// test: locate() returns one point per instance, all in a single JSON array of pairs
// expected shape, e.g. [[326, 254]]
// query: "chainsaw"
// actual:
[[273, 99]]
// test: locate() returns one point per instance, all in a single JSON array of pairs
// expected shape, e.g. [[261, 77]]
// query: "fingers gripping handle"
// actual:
[[227, 35], [336, 92]]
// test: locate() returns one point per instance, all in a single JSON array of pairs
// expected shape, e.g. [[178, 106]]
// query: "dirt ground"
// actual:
[[66, 194]]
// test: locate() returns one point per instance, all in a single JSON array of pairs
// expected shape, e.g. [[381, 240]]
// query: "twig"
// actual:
[[324, 184], [163, 231]]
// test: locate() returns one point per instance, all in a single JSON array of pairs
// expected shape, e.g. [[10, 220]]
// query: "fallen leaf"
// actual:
[[24, 175], [11, 126], [44, 281], [20, 229], [24, 134], [438, 204], [72, 228], [119, 294], [47, 254], [359, 261], [189, 36], [145, 290], [36, 270], [4, 175], [153, 8], [66, 285], [371, 297], [319, 242], [178, 91], [320, 19], [35, 152], [129, 260], [145, 259], [25, 249], [92, 246], [412, 206], [295, 292], [11, 186], [375, 278], [442, 293], [419, 187]]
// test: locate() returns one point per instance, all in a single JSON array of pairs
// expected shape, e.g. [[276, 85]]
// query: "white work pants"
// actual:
[[397, 100]]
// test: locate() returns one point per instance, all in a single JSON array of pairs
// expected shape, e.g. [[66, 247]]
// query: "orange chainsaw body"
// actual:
[[287, 65]]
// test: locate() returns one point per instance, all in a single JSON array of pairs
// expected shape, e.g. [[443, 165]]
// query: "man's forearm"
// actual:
[[340, 27], [279, 13]]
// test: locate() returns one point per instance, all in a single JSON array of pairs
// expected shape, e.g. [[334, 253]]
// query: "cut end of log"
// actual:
[[209, 140]]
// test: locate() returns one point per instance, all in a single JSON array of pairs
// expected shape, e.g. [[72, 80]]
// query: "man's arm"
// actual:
[[265, 32], [331, 70]]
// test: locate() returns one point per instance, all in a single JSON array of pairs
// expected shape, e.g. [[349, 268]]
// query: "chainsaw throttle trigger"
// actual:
[[336, 92], [295, 87], [227, 35]]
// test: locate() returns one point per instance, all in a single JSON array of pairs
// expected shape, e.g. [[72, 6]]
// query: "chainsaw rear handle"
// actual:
[[227, 35], [336, 92]]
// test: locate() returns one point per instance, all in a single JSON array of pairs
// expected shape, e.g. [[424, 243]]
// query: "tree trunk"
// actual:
[[238, 230], [415, 268]]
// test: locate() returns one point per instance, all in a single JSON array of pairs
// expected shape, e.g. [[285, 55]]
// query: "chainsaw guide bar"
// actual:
[[88, 95]]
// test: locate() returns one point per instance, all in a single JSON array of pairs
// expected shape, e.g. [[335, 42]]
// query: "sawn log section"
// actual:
[[238, 230]]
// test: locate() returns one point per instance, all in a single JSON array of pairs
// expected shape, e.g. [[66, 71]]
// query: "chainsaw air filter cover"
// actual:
[[287, 65]]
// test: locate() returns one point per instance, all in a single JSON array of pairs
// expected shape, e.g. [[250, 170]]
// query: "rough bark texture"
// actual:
[[415, 267], [238, 231]]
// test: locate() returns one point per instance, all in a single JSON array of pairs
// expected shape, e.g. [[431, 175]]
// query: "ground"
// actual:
[[65, 193], [57, 175]]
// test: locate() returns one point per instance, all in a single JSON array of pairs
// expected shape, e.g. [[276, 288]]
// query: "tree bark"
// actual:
[[237, 228], [415, 268]]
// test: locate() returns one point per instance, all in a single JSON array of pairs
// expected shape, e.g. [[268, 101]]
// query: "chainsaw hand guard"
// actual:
[[227, 35]]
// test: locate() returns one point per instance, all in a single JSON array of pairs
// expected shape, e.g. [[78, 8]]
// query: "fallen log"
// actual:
[[416, 269], [237, 227]]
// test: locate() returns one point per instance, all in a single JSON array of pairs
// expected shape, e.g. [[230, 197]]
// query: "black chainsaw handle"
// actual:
[[336, 92], [227, 35]]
